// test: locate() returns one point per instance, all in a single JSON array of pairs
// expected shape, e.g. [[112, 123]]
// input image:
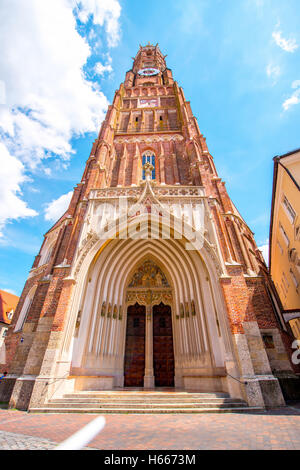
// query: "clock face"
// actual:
[[148, 72]]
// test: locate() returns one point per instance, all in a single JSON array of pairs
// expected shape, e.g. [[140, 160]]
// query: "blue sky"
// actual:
[[237, 61]]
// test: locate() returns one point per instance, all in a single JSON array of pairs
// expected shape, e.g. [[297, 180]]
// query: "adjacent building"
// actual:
[[8, 304], [285, 236]]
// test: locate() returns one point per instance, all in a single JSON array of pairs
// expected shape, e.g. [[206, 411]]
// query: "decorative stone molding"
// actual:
[[162, 192], [144, 139], [87, 244], [149, 296], [37, 271]]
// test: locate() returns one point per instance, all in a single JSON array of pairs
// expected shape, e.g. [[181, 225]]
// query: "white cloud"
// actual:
[[55, 209], [2, 92], [48, 99], [265, 251], [101, 69], [11, 177], [273, 71], [294, 98], [105, 13], [296, 84], [288, 45]]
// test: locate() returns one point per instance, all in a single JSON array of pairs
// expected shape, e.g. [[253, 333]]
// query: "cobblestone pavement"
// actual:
[[270, 430], [13, 441]]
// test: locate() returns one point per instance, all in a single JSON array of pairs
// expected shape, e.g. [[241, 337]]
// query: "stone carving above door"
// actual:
[[149, 297], [149, 275]]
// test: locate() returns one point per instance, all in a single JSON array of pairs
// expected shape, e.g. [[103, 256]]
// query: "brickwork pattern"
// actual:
[[273, 430]]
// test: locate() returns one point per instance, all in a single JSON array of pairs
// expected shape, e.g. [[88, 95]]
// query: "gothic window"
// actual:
[[47, 250], [25, 309], [149, 157]]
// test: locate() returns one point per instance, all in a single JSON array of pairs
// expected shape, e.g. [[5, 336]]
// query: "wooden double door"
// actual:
[[163, 354], [162, 337]]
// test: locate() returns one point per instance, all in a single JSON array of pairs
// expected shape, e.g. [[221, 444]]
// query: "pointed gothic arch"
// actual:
[[201, 331], [25, 309]]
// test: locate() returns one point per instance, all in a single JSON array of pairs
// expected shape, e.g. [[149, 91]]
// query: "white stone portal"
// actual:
[[182, 281]]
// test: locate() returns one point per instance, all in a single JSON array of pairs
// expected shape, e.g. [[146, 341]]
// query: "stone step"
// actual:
[[158, 400], [146, 410], [158, 406], [144, 395]]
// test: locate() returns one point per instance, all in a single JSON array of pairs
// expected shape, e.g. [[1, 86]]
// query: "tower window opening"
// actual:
[[149, 158]]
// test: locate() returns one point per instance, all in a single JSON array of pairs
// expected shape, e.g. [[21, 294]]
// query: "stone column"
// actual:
[[135, 170], [149, 373], [162, 169], [175, 169]]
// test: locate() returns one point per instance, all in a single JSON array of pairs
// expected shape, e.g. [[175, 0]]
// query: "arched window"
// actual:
[[47, 251], [149, 157], [25, 309]]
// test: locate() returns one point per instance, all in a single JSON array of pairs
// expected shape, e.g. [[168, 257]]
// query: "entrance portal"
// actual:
[[134, 366], [163, 353]]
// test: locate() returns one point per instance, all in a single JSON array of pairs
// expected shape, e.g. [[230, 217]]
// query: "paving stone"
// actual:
[[272, 429], [13, 441]]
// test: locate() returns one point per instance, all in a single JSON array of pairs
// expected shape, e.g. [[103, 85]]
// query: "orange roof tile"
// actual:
[[8, 302]]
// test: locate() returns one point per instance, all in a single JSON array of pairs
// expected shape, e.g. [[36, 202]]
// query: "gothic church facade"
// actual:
[[151, 278]]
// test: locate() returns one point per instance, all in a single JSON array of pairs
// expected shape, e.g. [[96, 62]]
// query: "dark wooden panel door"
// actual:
[[134, 365], [163, 354]]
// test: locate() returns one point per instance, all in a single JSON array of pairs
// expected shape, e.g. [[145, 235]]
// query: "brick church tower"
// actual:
[[151, 278]]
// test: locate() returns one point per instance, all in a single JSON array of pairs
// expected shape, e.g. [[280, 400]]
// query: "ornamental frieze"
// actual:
[[87, 244], [153, 138], [161, 192], [149, 297]]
